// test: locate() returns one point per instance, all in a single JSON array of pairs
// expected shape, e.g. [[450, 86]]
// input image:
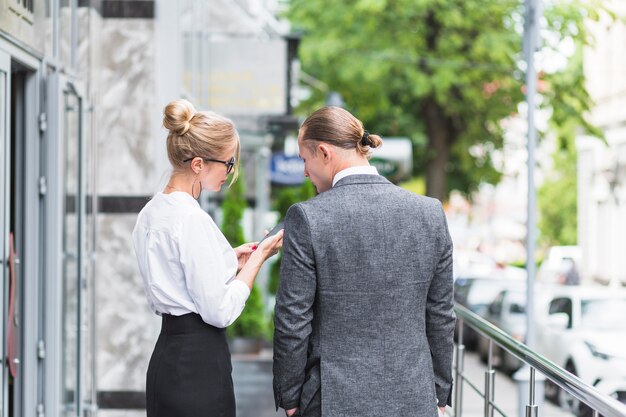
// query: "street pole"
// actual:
[[527, 384], [531, 38]]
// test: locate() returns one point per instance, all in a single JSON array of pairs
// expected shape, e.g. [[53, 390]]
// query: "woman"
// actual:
[[192, 277]]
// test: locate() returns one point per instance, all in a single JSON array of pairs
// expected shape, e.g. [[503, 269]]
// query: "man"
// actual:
[[363, 321]]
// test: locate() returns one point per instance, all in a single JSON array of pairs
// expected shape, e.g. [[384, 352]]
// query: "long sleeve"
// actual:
[[218, 299], [440, 319], [294, 309]]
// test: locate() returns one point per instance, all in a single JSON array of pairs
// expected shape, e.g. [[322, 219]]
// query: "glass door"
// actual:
[[72, 253], [5, 141], [79, 207]]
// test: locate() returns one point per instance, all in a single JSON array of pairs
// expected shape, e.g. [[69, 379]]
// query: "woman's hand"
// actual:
[[243, 253], [271, 245], [251, 259]]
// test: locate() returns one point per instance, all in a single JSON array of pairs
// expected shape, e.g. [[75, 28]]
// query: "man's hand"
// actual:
[[243, 253], [442, 411], [291, 412]]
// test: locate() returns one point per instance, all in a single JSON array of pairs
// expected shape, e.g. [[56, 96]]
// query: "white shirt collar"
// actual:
[[358, 170]]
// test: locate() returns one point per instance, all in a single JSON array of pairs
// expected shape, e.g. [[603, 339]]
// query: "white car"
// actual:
[[508, 313], [468, 263], [584, 331]]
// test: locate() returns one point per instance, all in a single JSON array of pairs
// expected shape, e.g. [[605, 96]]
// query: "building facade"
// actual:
[[47, 215], [82, 88], [602, 166]]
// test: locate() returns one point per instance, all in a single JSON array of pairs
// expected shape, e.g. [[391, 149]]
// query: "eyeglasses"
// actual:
[[230, 164]]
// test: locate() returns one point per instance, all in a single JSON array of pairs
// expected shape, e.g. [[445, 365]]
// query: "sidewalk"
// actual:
[[252, 378]]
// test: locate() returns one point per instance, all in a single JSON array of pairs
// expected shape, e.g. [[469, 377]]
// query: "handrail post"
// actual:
[[541, 368], [532, 409], [489, 382], [530, 391], [460, 365]]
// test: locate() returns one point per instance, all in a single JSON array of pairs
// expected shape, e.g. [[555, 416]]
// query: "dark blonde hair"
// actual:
[[338, 127], [193, 133]]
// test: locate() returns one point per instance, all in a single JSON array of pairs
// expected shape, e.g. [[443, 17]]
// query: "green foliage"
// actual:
[[558, 205], [287, 197], [415, 185], [443, 72], [252, 322], [233, 207], [557, 197]]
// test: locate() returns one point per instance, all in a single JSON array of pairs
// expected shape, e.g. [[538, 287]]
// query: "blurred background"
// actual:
[[82, 87]]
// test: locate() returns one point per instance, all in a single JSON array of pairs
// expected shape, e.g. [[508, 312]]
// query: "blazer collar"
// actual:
[[362, 179]]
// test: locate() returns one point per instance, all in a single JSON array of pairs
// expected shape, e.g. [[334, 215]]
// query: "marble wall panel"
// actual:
[[128, 413], [127, 329], [126, 108]]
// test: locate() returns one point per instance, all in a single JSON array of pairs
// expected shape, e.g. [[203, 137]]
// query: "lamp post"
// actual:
[[527, 384]]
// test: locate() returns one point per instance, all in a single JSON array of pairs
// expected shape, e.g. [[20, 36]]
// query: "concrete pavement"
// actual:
[[252, 377]]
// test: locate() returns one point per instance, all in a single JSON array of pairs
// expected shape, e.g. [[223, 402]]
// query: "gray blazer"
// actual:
[[364, 321]]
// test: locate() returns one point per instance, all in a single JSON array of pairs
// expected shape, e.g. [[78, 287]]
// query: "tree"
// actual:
[[557, 196], [286, 197], [233, 208], [443, 72], [557, 199], [251, 322]]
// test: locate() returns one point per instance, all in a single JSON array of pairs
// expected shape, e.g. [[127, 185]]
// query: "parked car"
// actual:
[[507, 312], [467, 263], [476, 293], [584, 331]]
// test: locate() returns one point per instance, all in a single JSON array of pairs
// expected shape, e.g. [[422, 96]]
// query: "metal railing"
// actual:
[[598, 402]]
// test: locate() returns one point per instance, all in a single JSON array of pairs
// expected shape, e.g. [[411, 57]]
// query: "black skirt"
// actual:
[[190, 371]]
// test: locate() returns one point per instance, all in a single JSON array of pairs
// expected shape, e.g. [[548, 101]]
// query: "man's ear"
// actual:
[[326, 151]]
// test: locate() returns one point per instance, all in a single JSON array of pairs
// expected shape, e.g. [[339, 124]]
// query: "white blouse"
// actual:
[[186, 263]]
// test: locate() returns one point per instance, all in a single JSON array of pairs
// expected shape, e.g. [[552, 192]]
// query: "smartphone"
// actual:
[[272, 232]]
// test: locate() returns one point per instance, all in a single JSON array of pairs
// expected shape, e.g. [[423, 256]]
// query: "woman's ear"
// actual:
[[196, 165]]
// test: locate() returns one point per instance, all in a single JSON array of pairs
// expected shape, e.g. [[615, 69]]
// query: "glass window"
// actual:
[[89, 250], [42, 12], [67, 16], [25, 4], [3, 140], [604, 314], [562, 305]]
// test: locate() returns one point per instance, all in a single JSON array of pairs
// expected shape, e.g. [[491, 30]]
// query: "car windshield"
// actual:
[[604, 314]]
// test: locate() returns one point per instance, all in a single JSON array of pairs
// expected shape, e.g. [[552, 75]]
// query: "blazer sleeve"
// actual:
[[294, 309], [440, 318]]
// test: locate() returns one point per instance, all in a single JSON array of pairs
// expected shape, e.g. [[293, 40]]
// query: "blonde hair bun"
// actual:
[[177, 116]]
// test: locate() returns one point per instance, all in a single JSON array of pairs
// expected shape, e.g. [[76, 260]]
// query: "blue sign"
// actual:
[[286, 170]]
